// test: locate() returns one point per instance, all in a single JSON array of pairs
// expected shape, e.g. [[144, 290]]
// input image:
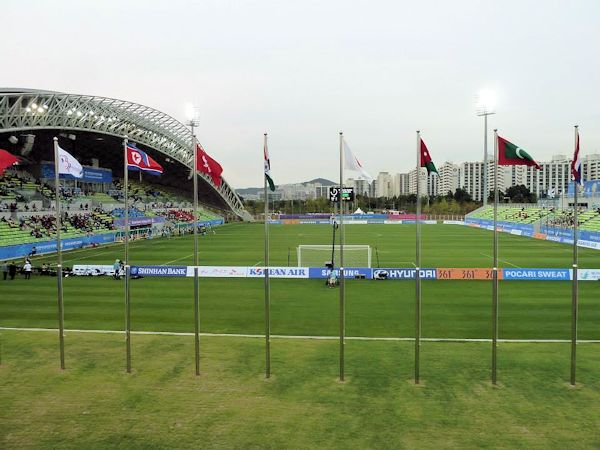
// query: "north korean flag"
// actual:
[[139, 160]]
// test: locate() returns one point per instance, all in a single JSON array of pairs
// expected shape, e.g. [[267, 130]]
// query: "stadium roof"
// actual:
[[32, 109]]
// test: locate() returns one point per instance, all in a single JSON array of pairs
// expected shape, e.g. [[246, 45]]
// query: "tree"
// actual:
[[520, 194], [462, 196]]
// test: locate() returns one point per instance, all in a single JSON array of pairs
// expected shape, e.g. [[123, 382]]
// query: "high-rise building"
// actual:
[[384, 185], [423, 184], [449, 178]]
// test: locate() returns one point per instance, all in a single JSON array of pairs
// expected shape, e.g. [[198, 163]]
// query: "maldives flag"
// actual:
[[207, 165], [576, 163], [511, 155], [7, 160], [426, 159], [139, 160]]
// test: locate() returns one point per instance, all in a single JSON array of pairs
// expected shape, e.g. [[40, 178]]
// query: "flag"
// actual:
[[7, 160], [352, 163], [68, 165], [207, 165], [426, 159], [511, 155], [268, 169], [139, 160], [576, 163]]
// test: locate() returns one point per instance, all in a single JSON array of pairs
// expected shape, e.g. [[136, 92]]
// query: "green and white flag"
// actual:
[[268, 169]]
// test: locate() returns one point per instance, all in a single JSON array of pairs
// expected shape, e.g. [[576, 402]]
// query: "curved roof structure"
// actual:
[[30, 109]]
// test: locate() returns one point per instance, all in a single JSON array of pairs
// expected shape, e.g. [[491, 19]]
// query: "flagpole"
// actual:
[[418, 266], [59, 276], [574, 299], [342, 283], [267, 280], [495, 267], [126, 228], [196, 279]]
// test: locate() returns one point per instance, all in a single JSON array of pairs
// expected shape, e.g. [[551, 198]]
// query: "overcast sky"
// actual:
[[302, 71]]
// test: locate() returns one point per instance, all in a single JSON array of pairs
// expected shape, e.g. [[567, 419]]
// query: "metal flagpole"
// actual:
[[495, 267], [196, 279], [575, 275], [126, 262], [485, 161], [59, 277], [342, 287], [267, 280], [418, 265]]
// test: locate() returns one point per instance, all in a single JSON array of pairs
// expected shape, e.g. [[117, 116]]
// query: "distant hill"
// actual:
[[321, 181], [256, 190]]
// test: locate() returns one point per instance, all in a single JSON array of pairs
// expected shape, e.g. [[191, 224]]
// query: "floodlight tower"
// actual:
[[485, 106]]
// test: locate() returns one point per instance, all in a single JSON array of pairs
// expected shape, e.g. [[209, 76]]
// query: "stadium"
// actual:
[[535, 243]]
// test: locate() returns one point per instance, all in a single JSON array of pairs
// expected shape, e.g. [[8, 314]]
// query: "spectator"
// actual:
[[12, 270], [116, 268], [27, 269]]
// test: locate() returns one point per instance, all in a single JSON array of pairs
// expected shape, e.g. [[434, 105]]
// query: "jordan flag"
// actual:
[[576, 164], [426, 159], [139, 160], [207, 165], [511, 155], [7, 160]]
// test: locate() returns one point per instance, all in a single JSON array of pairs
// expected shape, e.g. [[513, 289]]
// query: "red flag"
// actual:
[[209, 166], [7, 160]]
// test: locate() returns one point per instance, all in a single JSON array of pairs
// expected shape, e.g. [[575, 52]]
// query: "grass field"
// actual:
[[451, 309], [94, 404]]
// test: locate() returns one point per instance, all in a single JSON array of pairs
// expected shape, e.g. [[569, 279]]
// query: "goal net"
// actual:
[[320, 255]]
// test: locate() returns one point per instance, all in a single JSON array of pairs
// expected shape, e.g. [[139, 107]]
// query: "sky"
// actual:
[[303, 71]]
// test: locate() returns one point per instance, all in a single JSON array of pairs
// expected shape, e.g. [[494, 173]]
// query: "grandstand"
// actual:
[[542, 218], [27, 216]]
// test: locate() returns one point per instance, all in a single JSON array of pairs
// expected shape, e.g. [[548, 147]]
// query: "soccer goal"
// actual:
[[320, 255]]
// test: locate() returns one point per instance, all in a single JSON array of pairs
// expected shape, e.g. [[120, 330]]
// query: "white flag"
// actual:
[[68, 165], [352, 163]]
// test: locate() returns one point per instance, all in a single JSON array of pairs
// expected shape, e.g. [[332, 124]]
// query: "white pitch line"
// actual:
[[178, 259], [501, 260], [322, 338]]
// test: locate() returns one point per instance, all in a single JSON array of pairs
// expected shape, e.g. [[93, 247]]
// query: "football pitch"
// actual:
[[300, 307], [95, 404]]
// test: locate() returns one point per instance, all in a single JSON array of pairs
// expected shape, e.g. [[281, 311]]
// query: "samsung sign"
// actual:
[[349, 272]]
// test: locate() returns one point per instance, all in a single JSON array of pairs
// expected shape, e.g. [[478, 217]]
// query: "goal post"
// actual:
[[320, 255]]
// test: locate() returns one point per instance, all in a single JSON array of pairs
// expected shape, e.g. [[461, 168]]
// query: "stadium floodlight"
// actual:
[[485, 106], [191, 115], [486, 102]]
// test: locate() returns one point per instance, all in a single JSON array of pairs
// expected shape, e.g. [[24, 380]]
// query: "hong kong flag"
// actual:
[[207, 165], [139, 160], [7, 160]]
